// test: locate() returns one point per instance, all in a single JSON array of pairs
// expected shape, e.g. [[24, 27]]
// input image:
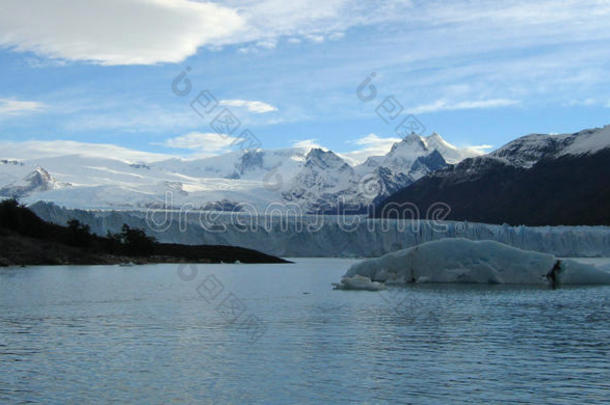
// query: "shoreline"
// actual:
[[18, 250]]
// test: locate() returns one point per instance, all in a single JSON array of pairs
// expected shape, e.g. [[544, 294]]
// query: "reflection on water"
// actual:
[[74, 334]]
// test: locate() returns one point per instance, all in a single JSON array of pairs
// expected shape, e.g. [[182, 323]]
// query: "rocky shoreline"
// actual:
[[18, 250]]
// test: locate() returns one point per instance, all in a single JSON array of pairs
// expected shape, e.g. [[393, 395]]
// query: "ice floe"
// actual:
[[464, 261]]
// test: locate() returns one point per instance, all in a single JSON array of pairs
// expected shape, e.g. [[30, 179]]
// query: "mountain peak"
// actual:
[[39, 176], [412, 143], [323, 159], [412, 138], [451, 153], [37, 180]]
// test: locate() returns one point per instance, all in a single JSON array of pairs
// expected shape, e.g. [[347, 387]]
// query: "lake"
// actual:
[[233, 333]]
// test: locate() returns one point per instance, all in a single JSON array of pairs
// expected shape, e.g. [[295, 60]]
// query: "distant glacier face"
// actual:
[[329, 236]]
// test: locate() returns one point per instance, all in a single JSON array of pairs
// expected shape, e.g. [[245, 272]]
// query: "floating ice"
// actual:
[[482, 262], [358, 282]]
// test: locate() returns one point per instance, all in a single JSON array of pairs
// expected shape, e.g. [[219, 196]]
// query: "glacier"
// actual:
[[326, 235], [461, 260]]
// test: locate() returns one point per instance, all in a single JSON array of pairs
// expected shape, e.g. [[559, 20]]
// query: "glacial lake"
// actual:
[[235, 333]]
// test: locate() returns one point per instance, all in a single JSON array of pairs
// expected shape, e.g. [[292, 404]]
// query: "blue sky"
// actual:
[[477, 72]]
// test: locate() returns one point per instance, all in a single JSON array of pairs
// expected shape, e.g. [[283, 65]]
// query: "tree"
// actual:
[[136, 241], [78, 234], [9, 214]]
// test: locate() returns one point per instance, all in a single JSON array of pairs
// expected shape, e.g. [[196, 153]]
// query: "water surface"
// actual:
[[280, 334]]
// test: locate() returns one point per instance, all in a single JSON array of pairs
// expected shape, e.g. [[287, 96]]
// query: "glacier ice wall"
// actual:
[[330, 236]]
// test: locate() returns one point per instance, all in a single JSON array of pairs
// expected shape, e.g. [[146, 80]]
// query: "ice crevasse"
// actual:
[[459, 260]]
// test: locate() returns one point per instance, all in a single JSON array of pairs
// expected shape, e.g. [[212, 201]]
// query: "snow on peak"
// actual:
[[452, 154], [405, 152], [414, 139], [40, 177], [589, 141], [530, 149], [414, 146], [37, 181], [321, 179], [324, 159]]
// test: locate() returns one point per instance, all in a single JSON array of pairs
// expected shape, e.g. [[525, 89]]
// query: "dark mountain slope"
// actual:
[[564, 190]]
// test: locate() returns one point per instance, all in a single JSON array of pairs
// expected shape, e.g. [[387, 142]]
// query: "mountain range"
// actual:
[[538, 179], [534, 180], [313, 180]]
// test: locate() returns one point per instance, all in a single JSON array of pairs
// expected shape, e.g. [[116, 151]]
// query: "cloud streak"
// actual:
[[32, 150], [18, 107], [208, 143], [444, 105], [257, 107]]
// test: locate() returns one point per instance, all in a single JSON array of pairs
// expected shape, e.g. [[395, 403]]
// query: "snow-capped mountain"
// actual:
[[326, 181], [323, 180], [39, 180], [534, 180], [314, 179]]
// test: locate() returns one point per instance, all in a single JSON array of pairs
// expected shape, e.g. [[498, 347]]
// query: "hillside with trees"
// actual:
[[25, 239]]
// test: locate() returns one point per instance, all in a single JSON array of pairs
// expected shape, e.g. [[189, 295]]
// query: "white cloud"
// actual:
[[202, 143], [315, 38], [372, 145], [479, 149], [115, 32], [151, 31], [17, 107], [258, 107], [308, 144], [269, 43], [374, 141], [125, 32], [44, 149], [444, 105]]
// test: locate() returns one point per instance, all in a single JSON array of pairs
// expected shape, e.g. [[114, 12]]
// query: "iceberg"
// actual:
[[461, 260]]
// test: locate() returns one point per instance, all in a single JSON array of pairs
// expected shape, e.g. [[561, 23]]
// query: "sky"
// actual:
[[119, 77]]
